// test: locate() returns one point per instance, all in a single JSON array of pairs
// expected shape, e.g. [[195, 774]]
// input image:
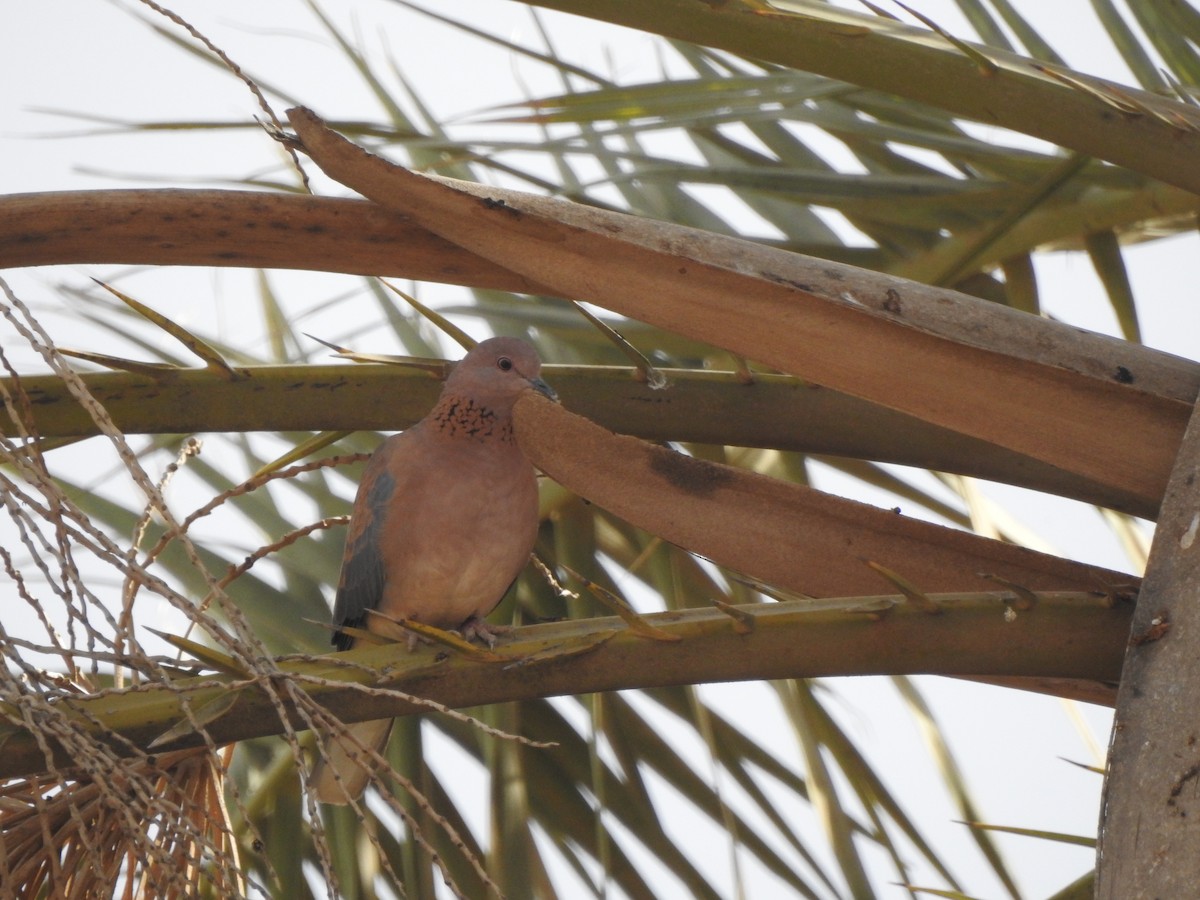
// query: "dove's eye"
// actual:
[[504, 364]]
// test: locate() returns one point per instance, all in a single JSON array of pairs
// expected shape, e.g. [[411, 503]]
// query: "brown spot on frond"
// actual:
[[688, 473]]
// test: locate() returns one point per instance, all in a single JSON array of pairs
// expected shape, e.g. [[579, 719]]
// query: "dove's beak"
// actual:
[[544, 389]]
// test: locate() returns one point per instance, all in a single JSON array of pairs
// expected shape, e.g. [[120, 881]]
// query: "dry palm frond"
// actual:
[[158, 828], [99, 822]]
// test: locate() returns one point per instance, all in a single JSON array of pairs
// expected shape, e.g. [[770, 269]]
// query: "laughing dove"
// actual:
[[444, 521]]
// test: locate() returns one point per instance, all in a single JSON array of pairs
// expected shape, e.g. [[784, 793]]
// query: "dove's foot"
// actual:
[[478, 629]]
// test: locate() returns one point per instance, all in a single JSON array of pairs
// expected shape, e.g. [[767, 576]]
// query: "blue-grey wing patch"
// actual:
[[361, 585]]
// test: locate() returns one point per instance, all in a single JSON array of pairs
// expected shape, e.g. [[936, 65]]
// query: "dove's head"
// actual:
[[497, 371]]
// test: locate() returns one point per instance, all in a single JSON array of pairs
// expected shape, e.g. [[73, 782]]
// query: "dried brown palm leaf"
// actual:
[[146, 827]]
